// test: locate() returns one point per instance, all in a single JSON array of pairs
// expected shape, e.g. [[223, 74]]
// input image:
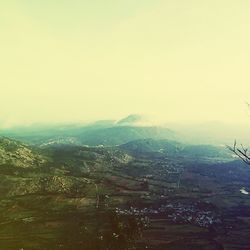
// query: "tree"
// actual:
[[241, 152]]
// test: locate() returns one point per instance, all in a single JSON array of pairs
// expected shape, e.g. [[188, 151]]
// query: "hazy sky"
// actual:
[[70, 60]]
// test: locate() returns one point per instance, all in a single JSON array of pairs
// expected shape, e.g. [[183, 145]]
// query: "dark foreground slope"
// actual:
[[142, 195]]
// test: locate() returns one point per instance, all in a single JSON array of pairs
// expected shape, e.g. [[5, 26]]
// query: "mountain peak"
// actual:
[[132, 119]]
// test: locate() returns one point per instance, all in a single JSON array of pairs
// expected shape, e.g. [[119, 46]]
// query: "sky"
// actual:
[[79, 60]]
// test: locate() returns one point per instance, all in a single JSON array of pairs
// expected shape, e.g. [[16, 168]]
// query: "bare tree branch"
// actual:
[[241, 153]]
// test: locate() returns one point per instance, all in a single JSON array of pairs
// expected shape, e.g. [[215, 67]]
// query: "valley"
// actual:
[[147, 193]]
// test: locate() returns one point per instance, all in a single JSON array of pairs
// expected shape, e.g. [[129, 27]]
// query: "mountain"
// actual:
[[111, 136], [152, 146], [35, 134], [108, 133], [56, 169], [174, 149], [123, 134]]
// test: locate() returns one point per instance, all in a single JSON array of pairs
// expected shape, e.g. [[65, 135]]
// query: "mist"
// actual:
[[73, 62]]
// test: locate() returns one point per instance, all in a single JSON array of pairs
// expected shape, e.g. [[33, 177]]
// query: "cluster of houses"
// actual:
[[192, 214], [176, 213]]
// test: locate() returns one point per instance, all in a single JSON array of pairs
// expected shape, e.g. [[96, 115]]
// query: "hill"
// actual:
[[16, 154], [160, 148]]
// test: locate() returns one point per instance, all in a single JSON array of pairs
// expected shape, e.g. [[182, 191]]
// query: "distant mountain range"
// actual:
[[130, 128], [107, 133]]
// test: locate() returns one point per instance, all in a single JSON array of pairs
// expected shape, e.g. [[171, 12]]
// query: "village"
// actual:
[[178, 213]]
